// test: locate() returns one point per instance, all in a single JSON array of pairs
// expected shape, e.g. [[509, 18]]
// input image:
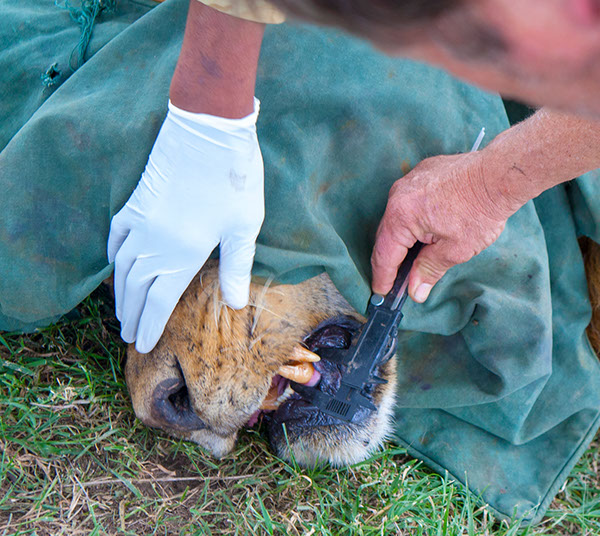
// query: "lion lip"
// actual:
[[295, 408]]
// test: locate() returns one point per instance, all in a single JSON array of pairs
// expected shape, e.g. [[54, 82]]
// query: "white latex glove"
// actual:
[[202, 186]]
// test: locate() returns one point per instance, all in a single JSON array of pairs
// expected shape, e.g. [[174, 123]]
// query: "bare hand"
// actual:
[[445, 203]]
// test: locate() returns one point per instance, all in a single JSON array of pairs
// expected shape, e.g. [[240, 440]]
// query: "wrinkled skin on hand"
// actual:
[[445, 203]]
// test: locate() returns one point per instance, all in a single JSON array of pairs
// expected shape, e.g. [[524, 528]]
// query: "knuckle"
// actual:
[[431, 272], [376, 257], [123, 260], [433, 267], [380, 260], [457, 256], [156, 300]]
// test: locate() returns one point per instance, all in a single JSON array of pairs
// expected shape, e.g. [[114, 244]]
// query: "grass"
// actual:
[[74, 460]]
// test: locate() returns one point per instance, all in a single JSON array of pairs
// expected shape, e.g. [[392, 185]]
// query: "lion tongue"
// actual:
[[315, 378]]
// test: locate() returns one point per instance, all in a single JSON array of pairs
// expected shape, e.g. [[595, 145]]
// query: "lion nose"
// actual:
[[171, 407]]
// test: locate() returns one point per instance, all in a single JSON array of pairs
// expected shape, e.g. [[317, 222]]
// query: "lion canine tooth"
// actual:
[[302, 355], [299, 373], [299, 370]]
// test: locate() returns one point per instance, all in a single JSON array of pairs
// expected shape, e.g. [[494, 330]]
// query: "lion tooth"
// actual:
[[285, 395], [272, 401], [302, 355], [299, 370], [299, 373], [270, 405]]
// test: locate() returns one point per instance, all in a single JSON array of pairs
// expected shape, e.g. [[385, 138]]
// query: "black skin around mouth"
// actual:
[[335, 332]]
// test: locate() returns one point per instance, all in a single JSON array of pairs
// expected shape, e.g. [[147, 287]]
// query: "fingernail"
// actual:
[[422, 292]]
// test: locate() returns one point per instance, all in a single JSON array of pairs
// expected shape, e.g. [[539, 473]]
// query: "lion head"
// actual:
[[216, 370]]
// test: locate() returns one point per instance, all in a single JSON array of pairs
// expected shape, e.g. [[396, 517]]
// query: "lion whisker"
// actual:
[[259, 307], [257, 339], [263, 308]]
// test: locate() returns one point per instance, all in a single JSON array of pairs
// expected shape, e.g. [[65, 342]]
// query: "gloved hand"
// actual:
[[202, 186]]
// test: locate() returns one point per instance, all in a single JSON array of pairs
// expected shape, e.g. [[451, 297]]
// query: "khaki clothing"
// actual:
[[254, 10]]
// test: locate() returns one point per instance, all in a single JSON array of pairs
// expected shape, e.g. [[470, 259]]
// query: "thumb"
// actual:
[[430, 266]]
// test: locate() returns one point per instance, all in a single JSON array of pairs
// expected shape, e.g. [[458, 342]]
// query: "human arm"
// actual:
[[216, 69], [458, 204], [203, 184]]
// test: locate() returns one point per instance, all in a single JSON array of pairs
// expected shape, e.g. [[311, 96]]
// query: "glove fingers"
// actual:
[[138, 282], [119, 231], [235, 264], [163, 295], [151, 296], [124, 260]]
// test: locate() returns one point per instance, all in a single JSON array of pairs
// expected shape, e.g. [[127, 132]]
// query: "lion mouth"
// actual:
[[283, 404], [306, 373], [280, 391]]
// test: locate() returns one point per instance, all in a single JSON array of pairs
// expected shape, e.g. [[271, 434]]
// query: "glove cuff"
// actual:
[[221, 123]]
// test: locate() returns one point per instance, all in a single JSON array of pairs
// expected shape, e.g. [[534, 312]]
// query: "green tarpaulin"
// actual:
[[498, 384]]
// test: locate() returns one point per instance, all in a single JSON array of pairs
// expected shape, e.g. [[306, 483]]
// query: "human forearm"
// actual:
[[547, 149], [216, 70], [187, 201]]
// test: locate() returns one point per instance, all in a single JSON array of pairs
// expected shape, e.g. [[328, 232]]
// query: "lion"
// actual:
[[215, 370]]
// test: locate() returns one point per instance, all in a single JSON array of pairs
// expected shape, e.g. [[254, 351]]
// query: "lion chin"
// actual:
[[216, 370]]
